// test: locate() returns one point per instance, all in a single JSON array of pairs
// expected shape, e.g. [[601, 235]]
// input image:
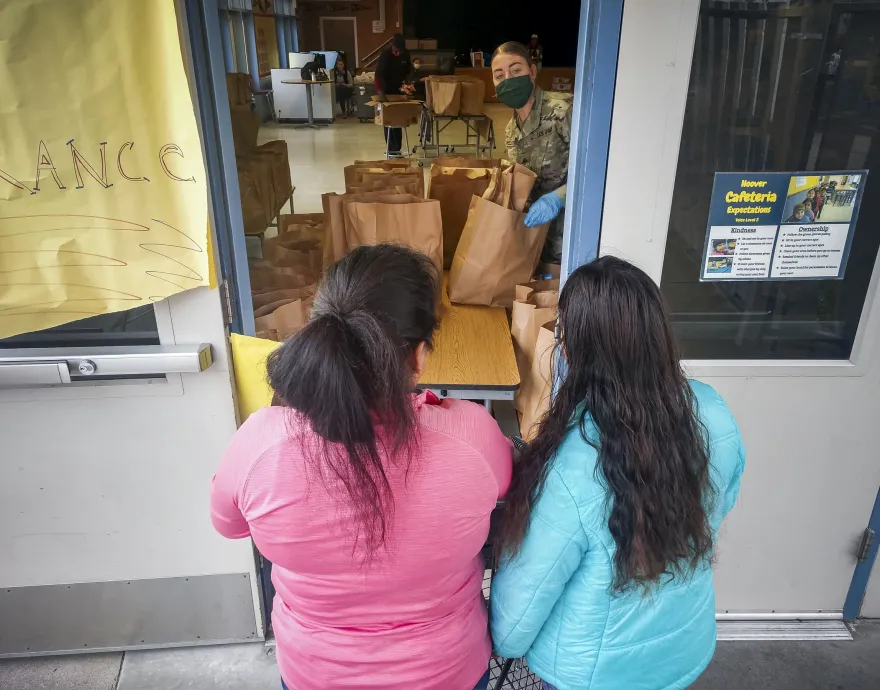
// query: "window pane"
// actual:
[[775, 87], [133, 327]]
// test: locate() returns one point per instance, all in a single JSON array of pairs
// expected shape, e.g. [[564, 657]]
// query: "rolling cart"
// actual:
[[479, 134]]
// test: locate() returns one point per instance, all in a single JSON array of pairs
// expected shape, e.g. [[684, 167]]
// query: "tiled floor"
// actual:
[[317, 156]]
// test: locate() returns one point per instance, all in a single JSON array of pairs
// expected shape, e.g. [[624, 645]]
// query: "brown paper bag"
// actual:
[[496, 252], [334, 229], [267, 309], [284, 320], [473, 95], [267, 335], [353, 174], [392, 163], [290, 319], [539, 386], [304, 225], [264, 279], [245, 128], [255, 189], [445, 98], [526, 290], [526, 318], [307, 264], [402, 219], [514, 183], [389, 180], [334, 243], [261, 299], [454, 192], [465, 162], [275, 153]]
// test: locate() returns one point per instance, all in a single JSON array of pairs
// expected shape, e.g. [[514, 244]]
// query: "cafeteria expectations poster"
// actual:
[[781, 226], [103, 194]]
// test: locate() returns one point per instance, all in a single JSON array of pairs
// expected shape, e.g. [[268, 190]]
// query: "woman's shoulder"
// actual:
[[464, 420], [265, 429], [714, 412], [575, 463]]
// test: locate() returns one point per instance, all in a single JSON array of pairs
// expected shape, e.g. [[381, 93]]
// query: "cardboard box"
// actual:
[[427, 44], [398, 114], [412, 44]]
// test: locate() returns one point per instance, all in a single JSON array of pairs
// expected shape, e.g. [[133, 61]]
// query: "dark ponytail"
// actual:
[[349, 373]]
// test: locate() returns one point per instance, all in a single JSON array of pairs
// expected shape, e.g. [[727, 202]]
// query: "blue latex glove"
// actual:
[[544, 210]]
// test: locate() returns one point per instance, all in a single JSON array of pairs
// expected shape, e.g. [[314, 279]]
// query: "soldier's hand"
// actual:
[[544, 210]]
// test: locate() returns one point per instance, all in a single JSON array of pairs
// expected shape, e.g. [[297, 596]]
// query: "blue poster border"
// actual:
[[797, 173]]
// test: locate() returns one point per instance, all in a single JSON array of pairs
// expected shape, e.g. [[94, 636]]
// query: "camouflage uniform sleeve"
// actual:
[[510, 140]]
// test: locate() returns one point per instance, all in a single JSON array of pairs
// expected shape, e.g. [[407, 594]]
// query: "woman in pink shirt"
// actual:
[[372, 503]]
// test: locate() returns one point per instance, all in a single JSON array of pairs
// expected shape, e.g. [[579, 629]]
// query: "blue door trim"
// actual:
[[209, 77], [595, 77], [859, 585]]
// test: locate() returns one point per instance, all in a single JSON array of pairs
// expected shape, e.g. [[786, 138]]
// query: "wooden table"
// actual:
[[473, 355], [308, 84]]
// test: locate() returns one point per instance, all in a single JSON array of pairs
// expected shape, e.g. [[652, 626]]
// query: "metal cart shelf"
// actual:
[[479, 134]]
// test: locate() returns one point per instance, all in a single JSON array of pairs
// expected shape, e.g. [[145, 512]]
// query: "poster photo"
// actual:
[[781, 226]]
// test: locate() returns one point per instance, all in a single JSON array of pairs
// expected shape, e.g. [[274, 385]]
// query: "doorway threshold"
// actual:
[[783, 630]]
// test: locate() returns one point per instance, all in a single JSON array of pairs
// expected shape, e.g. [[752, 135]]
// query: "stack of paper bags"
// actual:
[[375, 176], [455, 95], [283, 283], [244, 120], [264, 185], [497, 251], [534, 307], [352, 220]]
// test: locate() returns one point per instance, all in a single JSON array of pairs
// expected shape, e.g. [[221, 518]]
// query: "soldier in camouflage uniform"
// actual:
[[541, 144]]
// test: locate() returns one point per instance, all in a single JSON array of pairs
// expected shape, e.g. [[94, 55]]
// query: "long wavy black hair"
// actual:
[[350, 370], [623, 376]]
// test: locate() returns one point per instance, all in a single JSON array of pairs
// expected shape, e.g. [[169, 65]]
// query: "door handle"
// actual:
[[33, 374], [50, 366]]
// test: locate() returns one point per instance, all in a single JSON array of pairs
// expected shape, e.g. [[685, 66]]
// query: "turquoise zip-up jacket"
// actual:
[[552, 602]]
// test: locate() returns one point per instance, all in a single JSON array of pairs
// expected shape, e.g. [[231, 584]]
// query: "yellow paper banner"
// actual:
[[103, 196]]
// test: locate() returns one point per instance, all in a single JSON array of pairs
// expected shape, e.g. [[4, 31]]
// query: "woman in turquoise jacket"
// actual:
[[612, 517]]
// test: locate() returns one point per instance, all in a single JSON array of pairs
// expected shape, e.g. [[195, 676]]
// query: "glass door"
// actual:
[[774, 89]]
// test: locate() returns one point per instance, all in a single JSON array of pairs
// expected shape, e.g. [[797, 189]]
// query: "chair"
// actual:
[[270, 101]]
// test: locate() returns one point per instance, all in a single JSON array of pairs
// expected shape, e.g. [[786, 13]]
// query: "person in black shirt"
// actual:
[[391, 73]]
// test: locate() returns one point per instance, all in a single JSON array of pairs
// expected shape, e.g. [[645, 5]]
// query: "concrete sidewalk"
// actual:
[[737, 666]]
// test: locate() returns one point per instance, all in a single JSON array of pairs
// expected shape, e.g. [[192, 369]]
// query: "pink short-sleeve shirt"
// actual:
[[413, 615]]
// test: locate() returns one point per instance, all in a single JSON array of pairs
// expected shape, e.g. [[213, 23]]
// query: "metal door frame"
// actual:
[[858, 588], [594, 83], [209, 81]]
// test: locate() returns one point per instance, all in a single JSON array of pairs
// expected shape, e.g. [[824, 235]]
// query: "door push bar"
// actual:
[[50, 366]]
